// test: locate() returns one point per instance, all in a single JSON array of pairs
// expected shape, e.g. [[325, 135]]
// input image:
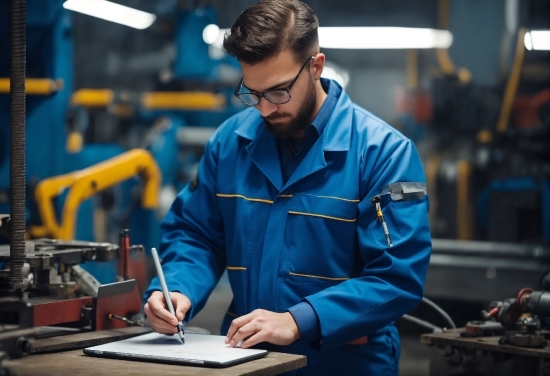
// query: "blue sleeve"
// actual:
[[192, 239], [307, 322], [389, 280]]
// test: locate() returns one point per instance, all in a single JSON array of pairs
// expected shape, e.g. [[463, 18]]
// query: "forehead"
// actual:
[[277, 69]]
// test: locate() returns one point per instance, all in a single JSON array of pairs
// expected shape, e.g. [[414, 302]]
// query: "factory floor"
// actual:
[[414, 356]]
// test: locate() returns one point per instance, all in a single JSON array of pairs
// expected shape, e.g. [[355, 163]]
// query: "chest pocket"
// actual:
[[320, 237]]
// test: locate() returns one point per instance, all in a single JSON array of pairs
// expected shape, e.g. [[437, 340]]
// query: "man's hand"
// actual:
[[158, 315], [263, 326]]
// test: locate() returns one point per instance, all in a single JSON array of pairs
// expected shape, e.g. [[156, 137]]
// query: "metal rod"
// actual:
[[18, 12]]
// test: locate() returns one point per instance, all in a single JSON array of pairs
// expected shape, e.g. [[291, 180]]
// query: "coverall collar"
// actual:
[[263, 148], [336, 136]]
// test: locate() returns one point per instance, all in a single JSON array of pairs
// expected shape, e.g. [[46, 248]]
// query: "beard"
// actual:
[[295, 124]]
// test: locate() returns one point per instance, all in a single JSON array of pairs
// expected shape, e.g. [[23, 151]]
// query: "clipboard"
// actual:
[[199, 350]]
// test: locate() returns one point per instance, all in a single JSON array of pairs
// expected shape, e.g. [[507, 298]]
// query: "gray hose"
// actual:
[[416, 320], [441, 312]]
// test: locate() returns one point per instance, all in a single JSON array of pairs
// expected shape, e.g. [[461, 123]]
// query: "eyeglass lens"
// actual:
[[275, 97]]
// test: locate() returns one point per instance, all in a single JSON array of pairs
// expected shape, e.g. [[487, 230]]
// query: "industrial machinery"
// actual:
[[44, 287], [511, 337]]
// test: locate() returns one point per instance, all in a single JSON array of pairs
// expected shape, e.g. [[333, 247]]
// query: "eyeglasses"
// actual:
[[275, 96]]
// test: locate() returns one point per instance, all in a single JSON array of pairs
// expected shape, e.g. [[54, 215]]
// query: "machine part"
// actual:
[[523, 339], [536, 302], [85, 183], [124, 319], [87, 282], [92, 98], [451, 355], [182, 101], [49, 259], [18, 45], [35, 86], [522, 297], [194, 136], [44, 312], [137, 266], [467, 263], [482, 329], [120, 298], [60, 312], [508, 313], [104, 98], [17, 342], [124, 254], [481, 356]]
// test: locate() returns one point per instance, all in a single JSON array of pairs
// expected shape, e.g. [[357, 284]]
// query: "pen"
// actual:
[[375, 201], [166, 292]]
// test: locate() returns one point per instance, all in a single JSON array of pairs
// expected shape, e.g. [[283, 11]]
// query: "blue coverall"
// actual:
[[314, 239]]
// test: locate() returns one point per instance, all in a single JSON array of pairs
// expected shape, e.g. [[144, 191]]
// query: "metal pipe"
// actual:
[[490, 249], [18, 13]]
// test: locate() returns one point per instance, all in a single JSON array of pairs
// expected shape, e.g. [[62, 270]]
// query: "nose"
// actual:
[[266, 108]]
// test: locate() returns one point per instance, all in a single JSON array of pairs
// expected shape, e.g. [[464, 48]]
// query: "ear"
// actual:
[[318, 65]]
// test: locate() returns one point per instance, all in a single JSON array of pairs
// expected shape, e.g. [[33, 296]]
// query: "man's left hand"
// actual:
[[263, 326]]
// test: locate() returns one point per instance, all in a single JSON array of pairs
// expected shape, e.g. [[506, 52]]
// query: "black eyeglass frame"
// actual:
[[238, 93]]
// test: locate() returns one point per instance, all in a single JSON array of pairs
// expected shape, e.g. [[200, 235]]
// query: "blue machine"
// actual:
[[50, 55], [193, 60]]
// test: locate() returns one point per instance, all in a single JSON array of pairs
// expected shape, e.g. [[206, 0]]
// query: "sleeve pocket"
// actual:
[[400, 217]]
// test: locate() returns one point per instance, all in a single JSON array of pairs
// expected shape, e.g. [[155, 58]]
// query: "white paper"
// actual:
[[198, 348]]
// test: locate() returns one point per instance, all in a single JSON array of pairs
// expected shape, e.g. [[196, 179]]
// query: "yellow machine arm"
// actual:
[[177, 100], [34, 86], [85, 183]]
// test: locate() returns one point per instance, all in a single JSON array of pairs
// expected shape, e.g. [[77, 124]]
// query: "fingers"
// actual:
[[254, 340], [159, 325], [181, 303], [263, 326], [236, 325], [161, 320], [158, 306], [243, 333]]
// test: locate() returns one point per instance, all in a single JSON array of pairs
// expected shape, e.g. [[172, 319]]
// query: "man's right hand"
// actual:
[[158, 315]]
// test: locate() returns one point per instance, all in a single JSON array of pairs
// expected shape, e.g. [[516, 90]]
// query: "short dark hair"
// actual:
[[272, 26]]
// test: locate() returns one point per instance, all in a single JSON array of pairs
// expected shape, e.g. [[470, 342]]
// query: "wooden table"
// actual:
[[72, 361]]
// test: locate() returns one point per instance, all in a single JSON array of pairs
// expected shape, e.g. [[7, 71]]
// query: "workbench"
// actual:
[[453, 354], [63, 355]]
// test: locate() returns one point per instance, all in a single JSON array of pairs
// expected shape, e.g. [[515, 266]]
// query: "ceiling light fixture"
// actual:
[[537, 40], [365, 37], [113, 12]]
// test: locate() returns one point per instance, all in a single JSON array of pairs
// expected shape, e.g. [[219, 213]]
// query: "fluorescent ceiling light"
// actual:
[[383, 38], [211, 33], [537, 40], [113, 12], [370, 38]]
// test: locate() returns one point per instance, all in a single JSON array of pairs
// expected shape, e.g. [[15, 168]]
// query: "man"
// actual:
[[282, 201]]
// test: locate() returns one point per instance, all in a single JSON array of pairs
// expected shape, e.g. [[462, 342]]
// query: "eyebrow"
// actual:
[[278, 86]]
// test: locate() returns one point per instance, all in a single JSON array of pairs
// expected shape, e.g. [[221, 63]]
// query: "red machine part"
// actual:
[[522, 297], [125, 304], [59, 312]]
